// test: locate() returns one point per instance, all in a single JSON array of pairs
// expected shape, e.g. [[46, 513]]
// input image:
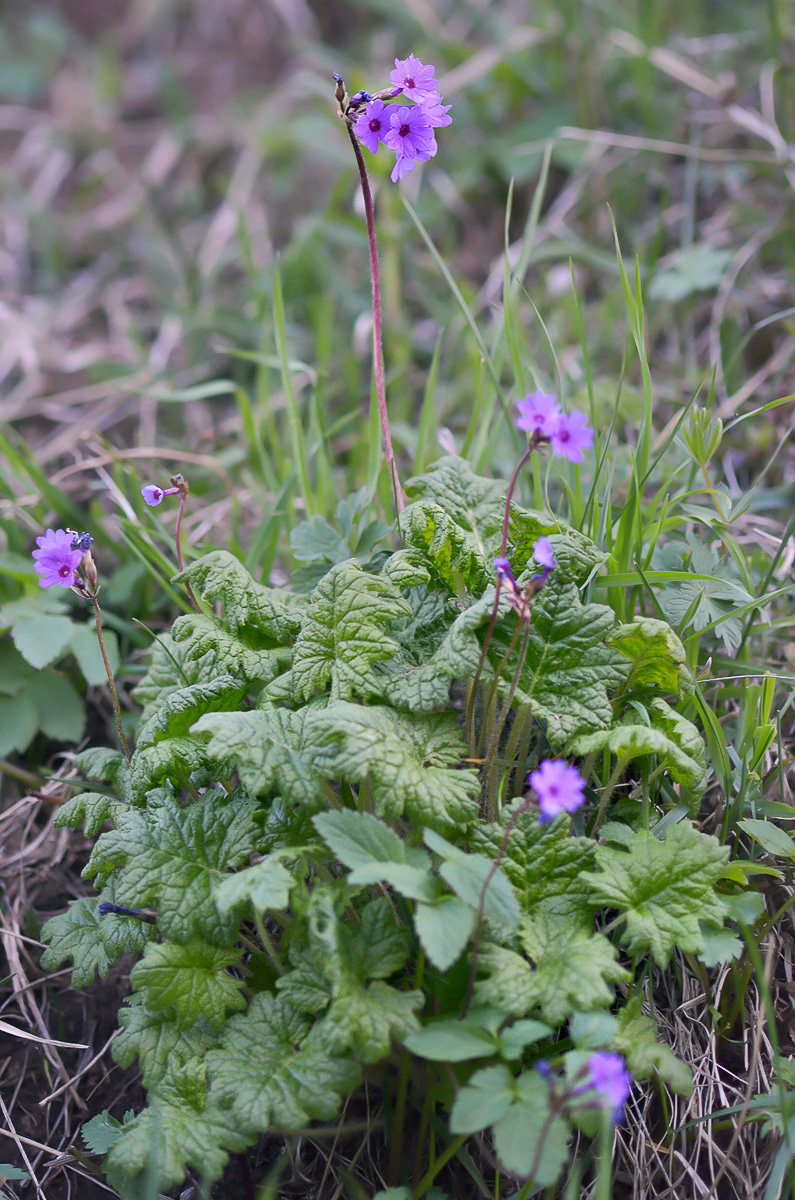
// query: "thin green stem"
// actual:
[[437, 1165], [270, 949], [111, 682]]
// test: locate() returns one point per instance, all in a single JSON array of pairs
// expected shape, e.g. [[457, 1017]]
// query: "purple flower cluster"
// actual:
[[541, 415], [559, 788], [405, 129], [58, 557]]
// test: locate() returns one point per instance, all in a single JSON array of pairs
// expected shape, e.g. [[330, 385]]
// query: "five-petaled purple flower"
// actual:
[[56, 561], [371, 126], [414, 79], [570, 436], [153, 495], [411, 137], [610, 1079], [559, 788], [538, 413]]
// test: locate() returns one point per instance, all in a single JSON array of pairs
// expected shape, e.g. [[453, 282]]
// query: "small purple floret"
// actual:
[[414, 79], [542, 553], [152, 494], [538, 413], [371, 126], [610, 1079], [559, 788], [436, 111], [56, 561], [571, 435], [503, 569]]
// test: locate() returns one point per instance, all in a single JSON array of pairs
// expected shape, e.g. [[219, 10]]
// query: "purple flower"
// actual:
[[570, 436], [56, 561], [152, 494], [542, 553], [371, 126], [538, 413], [436, 111], [559, 788], [503, 569], [415, 80], [610, 1079], [411, 137]]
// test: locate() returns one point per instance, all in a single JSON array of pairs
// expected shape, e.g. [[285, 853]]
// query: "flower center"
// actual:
[[409, 82], [553, 790], [404, 129], [64, 570], [564, 435], [375, 125]]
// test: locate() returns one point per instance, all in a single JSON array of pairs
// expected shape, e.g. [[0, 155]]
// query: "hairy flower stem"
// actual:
[[115, 695], [470, 715], [476, 936], [492, 788], [378, 345], [183, 495]]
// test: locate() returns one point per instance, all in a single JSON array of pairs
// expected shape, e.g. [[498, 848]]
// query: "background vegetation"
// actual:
[[184, 287]]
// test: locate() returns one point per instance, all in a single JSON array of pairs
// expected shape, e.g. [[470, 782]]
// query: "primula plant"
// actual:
[[396, 840]]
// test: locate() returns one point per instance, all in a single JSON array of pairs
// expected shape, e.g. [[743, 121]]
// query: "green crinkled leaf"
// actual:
[[570, 671], [178, 711], [569, 970], [91, 810], [663, 888], [451, 1040], [273, 1071], [171, 858], [109, 766], [156, 1042], [186, 982], [715, 598], [419, 677], [576, 556], [171, 761], [637, 1041], [364, 1020], [520, 1112], [92, 941], [406, 569], [337, 962], [378, 947], [344, 633], [266, 885], [245, 604], [544, 863], [216, 651], [272, 750], [181, 1127], [408, 757], [675, 741], [657, 655], [170, 670], [476, 882], [305, 986]]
